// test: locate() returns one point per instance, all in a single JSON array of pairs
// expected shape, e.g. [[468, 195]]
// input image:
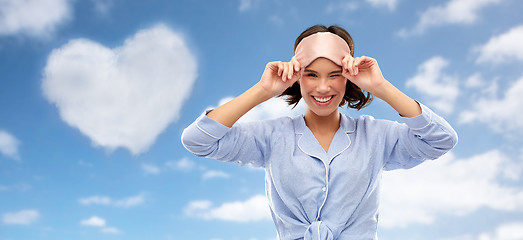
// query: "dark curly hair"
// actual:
[[354, 97]]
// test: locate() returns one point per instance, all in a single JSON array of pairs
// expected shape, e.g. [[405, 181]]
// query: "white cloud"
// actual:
[[35, 18], [390, 4], [475, 81], [125, 96], [99, 222], [183, 164], [130, 201], [440, 89], [24, 217], [104, 200], [196, 206], [508, 231], [272, 108], [450, 186], [93, 221], [95, 200], [502, 48], [9, 145], [453, 12], [501, 114], [215, 174], [253, 209], [150, 169]]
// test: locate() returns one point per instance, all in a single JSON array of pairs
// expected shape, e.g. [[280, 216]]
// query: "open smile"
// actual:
[[323, 99]]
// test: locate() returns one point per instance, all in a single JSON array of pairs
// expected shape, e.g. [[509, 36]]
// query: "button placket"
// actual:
[[324, 189]]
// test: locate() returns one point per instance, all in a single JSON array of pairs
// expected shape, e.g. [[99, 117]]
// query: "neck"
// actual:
[[329, 123]]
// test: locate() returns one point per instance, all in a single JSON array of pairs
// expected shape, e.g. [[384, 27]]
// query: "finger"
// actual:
[[291, 70], [365, 61], [357, 65], [345, 61], [350, 66], [297, 65], [280, 69], [285, 74]]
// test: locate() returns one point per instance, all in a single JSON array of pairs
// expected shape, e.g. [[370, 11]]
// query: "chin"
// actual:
[[325, 112]]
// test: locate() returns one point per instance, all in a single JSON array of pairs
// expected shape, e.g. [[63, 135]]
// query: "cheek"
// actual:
[[340, 85], [305, 86]]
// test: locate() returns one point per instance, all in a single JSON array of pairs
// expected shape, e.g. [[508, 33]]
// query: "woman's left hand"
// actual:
[[364, 72]]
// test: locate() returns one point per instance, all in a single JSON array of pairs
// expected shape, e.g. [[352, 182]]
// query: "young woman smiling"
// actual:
[[323, 169]]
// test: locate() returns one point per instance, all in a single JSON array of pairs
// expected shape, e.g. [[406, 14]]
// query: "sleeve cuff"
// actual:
[[211, 127], [421, 121]]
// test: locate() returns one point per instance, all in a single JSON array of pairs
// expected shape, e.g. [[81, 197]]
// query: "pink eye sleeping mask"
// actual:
[[321, 44]]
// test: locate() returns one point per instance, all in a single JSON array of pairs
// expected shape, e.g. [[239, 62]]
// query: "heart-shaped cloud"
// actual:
[[125, 96]]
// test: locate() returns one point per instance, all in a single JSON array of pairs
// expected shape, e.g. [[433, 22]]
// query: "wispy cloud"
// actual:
[[23, 217], [389, 4], [440, 89], [501, 114], [111, 230], [215, 174], [9, 145], [121, 97], [507, 231], [130, 201], [253, 209], [277, 20], [102, 6], [93, 221], [33, 18], [502, 48], [246, 5], [450, 186], [183, 164], [95, 200], [99, 222], [17, 187], [150, 169], [344, 6], [108, 201], [460, 12]]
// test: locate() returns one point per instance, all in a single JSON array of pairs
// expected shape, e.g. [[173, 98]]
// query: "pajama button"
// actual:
[[324, 189]]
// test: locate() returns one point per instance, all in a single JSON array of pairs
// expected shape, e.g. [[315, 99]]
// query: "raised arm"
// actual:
[[424, 135], [366, 74], [277, 77], [213, 135]]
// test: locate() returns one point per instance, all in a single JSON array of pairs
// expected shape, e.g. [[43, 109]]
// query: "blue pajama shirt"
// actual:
[[313, 194]]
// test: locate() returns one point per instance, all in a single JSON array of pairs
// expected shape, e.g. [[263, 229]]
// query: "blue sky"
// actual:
[[94, 95]]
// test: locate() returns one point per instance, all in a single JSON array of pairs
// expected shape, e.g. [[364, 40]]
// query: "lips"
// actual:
[[323, 99]]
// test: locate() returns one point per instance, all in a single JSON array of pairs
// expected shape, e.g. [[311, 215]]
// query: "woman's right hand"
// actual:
[[279, 76]]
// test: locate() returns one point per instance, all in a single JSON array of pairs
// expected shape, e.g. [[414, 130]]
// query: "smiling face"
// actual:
[[322, 87]]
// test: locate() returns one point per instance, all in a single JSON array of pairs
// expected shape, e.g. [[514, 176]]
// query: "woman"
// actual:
[[323, 169]]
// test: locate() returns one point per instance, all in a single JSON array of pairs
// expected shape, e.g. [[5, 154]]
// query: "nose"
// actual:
[[323, 85]]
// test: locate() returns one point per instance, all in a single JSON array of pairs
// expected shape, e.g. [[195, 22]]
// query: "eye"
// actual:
[[311, 75], [335, 75]]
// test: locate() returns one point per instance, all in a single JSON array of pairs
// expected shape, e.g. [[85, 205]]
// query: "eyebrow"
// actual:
[[312, 71]]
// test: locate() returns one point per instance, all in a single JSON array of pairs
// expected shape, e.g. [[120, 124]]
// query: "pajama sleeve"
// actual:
[[424, 137], [243, 143]]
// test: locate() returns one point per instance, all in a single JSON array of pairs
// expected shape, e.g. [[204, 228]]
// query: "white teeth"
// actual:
[[322, 100]]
